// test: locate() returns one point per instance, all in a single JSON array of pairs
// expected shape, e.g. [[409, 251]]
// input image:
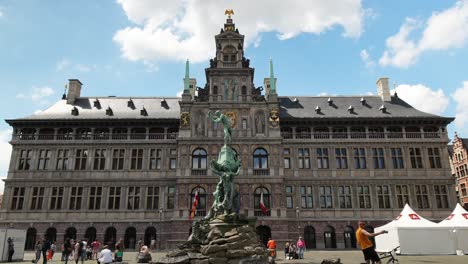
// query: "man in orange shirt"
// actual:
[[362, 237], [271, 245]]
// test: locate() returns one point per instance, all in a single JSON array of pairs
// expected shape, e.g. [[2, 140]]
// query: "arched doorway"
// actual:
[[130, 238], [150, 234], [110, 237], [70, 233], [263, 233], [51, 234], [90, 234], [30, 238], [329, 237], [309, 237], [349, 237]]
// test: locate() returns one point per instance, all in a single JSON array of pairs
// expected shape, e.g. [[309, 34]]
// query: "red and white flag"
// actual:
[[262, 205], [194, 206]]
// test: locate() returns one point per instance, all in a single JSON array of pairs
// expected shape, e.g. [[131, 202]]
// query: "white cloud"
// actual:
[[460, 96], [5, 154], [442, 31], [37, 94], [365, 57], [62, 64], [65, 63], [83, 68], [423, 98], [181, 29], [179, 94]]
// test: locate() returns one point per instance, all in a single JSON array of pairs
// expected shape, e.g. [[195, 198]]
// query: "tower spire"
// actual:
[[187, 78], [272, 78]]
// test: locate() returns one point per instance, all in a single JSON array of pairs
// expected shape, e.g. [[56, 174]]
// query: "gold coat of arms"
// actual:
[[185, 119], [274, 117]]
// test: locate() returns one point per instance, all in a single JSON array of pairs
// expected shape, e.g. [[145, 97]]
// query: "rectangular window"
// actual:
[[24, 162], [56, 198], [76, 196], [100, 156], [62, 159], [307, 200], [397, 158], [378, 157], [133, 198], [114, 198], [137, 159], [118, 157], [402, 195], [44, 159], [244, 123], [37, 198], [303, 158], [434, 158], [173, 159], [287, 158], [155, 159], [170, 197], [81, 159], [289, 197], [463, 189], [322, 158], [364, 197], [422, 196], [95, 196], [416, 159], [441, 196], [383, 196], [360, 158], [17, 199], [326, 198], [344, 195], [341, 158], [152, 198]]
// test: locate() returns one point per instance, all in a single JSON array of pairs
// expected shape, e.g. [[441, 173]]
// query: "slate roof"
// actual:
[[305, 108], [301, 107], [450, 149], [119, 105]]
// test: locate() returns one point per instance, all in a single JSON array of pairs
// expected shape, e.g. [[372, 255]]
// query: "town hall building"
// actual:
[[110, 167]]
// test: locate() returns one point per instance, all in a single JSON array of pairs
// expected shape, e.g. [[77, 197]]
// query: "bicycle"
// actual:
[[391, 255]]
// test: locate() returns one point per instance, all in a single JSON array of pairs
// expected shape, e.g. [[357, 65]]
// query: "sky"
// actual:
[[319, 47]]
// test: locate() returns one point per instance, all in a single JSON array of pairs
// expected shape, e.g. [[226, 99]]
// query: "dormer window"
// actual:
[[383, 109], [97, 103], [74, 111], [330, 101], [143, 112], [164, 103], [131, 104], [363, 100], [351, 109], [109, 111], [318, 109]]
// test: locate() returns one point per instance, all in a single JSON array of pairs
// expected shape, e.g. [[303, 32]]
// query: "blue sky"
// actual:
[[138, 48]]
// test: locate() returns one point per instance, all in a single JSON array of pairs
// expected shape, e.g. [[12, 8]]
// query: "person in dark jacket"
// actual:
[[11, 249], [67, 249], [45, 247]]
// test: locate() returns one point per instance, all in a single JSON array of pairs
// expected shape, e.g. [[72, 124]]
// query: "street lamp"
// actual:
[[298, 216], [160, 226]]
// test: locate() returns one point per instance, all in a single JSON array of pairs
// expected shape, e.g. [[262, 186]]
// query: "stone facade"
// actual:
[[113, 167], [460, 168]]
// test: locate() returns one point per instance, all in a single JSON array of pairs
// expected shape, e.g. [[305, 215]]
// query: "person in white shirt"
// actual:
[[105, 256]]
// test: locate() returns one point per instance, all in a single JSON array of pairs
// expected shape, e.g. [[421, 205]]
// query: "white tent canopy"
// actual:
[[415, 235], [457, 221]]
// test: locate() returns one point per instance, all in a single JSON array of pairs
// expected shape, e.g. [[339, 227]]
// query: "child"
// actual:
[[286, 251]]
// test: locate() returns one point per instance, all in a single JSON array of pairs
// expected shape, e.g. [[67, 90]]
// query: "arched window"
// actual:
[[244, 90], [286, 132], [258, 211], [394, 132], [51, 234], [65, 134], [138, 133], [156, 133], [130, 237], [376, 132], [413, 132], [110, 237], [302, 132], [70, 233], [119, 133], [150, 235], [201, 206], [329, 237], [431, 132], [349, 237], [27, 134], [30, 238], [83, 133], [101, 133], [199, 157], [321, 132], [260, 159], [309, 237], [46, 133], [90, 234], [229, 54]]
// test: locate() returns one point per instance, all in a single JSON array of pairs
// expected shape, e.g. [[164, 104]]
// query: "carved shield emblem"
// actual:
[[233, 116], [185, 119], [274, 117]]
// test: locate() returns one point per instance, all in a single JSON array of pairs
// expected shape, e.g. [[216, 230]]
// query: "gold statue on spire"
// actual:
[[229, 12]]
